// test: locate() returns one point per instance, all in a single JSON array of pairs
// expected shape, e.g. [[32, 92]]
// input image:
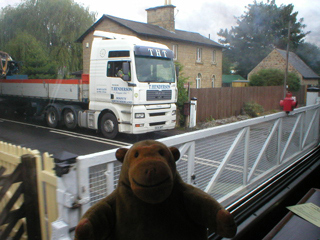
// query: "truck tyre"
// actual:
[[70, 118], [52, 117], [109, 126]]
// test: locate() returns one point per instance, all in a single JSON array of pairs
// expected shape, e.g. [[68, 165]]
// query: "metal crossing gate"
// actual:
[[226, 161]]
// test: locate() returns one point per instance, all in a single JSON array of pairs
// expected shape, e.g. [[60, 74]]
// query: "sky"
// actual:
[[206, 17]]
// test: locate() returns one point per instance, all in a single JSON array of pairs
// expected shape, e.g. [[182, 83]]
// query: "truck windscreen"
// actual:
[[150, 69]]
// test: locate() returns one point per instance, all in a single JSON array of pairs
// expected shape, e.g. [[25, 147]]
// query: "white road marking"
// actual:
[[72, 134], [94, 139]]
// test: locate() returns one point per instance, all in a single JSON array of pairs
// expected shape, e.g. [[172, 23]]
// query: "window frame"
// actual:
[[198, 80], [115, 67], [213, 80], [214, 57], [175, 51], [199, 55]]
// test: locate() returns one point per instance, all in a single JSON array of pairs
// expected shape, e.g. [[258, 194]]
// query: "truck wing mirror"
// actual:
[[126, 71]]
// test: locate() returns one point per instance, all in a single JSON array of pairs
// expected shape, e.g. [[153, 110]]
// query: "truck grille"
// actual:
[[157, 95], [157, 123], [157, 114]]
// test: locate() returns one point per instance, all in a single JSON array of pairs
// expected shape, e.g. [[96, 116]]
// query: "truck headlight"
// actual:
[[173, 112], [139, 115]]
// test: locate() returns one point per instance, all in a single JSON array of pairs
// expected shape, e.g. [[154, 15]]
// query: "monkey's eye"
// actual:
[[136, 154], [161, 152]]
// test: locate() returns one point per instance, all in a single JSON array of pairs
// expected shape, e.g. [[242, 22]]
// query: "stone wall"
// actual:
[[276, 61]]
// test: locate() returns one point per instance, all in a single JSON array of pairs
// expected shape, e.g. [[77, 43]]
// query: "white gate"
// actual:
[[226, 161]]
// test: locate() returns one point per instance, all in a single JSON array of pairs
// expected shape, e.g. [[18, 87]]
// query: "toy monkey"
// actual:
[[151, 201]]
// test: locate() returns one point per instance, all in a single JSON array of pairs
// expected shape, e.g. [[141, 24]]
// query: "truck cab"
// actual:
[[132, 88]]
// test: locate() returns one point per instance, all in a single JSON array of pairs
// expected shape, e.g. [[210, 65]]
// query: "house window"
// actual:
[[175, 51], [214, 57], [213, 79], [199, 55], [198, 80]]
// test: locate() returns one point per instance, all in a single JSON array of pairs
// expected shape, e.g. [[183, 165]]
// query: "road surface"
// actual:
[[35, 135]]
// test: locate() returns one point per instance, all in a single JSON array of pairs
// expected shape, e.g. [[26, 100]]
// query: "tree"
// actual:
[[262, 27], [226, 65], [33, 55], [310, 54], [55, 24], [275, 77]]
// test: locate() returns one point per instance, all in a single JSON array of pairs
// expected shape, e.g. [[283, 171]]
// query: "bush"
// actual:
[[253, 109], [182, 94], [293, 82], [275, 77]]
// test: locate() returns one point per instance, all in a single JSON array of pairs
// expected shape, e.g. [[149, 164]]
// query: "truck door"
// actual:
[[120, 92]]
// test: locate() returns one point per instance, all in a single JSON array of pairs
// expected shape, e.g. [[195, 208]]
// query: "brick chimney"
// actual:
[[162, 16]]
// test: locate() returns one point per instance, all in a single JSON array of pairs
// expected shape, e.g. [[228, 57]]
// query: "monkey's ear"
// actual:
[[120, 153], [175, 152]]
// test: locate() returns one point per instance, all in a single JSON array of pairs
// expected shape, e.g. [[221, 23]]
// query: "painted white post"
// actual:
[[193, 113]]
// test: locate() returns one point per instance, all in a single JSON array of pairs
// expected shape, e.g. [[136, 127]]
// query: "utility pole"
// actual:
[[287, 64]]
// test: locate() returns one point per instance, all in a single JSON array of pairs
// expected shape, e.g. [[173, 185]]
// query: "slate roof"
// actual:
[[150, 30], [299, 65]]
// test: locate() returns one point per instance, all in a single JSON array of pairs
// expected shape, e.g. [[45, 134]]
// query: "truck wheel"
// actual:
[[52, 117], [109, 126], [70, 118]]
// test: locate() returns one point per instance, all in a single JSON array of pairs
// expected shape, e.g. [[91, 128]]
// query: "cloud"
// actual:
[[311, 17], [209, 19]]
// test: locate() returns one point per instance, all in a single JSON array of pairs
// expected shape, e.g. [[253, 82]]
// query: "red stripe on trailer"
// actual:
[[85, 78], [50, 81]]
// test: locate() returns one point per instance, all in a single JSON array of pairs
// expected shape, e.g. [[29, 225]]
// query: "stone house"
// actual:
[[200, 56], [277, 60]]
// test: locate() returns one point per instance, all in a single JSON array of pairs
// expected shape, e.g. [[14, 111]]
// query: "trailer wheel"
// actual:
[[70, 118], [52, 117], [109, 125]]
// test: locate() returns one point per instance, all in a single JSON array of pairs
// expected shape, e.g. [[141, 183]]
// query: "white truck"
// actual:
[[131, 88]]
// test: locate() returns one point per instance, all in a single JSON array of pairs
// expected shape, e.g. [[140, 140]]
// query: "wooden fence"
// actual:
[[25, 180], [225, 102], [46, 181]]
